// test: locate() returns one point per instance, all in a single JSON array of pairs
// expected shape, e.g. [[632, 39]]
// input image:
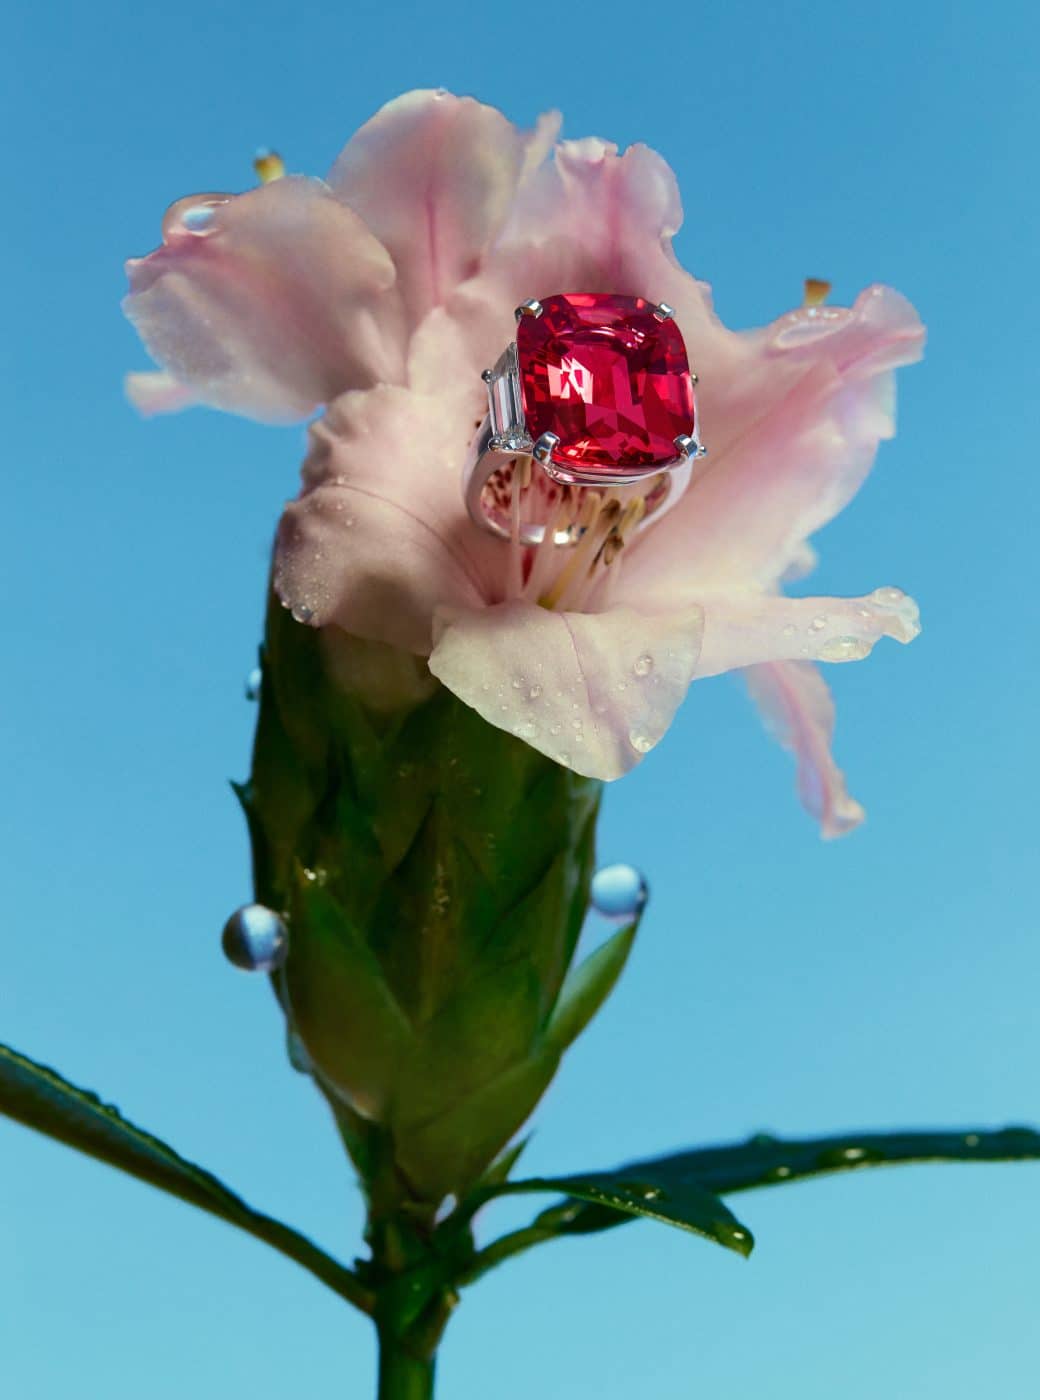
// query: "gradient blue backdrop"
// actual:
[[779, 983]]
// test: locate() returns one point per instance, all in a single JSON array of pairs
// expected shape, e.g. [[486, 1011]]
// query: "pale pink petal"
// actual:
[[594, 692], [433, 175], [157, 391], [797, 707], [591, 220], [745, 629], [379, 536], [791, 433], [268, 303]]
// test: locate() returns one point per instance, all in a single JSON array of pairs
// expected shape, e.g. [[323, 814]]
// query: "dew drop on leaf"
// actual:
[[255, 939], [619, 892]]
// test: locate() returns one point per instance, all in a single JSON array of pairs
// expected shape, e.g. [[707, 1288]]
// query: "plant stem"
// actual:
[[402, 1374]]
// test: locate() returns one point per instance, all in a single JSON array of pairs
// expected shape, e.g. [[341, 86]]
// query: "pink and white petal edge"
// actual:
[[594, 692], [798, 709], [745, 629]]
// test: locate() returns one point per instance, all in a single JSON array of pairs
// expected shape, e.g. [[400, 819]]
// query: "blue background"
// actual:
[[779, 983]]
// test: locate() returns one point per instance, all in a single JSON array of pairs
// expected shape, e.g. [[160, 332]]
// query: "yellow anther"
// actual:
[[816, 291], [268, 166]]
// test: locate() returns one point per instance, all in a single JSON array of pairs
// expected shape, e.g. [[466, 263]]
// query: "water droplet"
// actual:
[[302, 613], [622, 685], [254, 681], [781, 1173], [555, 728], [518, 682], [790, 629], [534, 692], [971, 1139], [255, 939], [619, 892], [888, 596], [199, 218], [818, 624], [639, 741], [854, 1154], [844, 649], [644, 664]]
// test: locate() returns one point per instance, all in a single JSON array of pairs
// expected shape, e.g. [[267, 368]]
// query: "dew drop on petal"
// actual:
[[639, 741], [790, 629], [534, 691], [844, 649], [255, 939], [254, 681], [302, 613], [818, 624], [644, 664], [889, 597], [619, 892]]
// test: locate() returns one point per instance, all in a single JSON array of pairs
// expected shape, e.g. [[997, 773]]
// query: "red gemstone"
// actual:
[[610, 378]]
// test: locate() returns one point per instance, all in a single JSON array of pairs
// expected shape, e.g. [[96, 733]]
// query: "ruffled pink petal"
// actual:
[[268, 303], [796, 704], [379, 536], [745, 629], [433, 175], [594, 692], [590, 220], [792, 431]]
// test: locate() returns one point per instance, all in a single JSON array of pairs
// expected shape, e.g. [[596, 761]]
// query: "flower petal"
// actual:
[[267, 303], [594, 692], [433, 175], [590, 220], [379, 536], [791, 432], [798, 709], [157, 391], [745, 629]]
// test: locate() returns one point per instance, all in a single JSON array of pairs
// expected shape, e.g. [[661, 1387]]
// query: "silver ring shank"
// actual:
[[487, 457]]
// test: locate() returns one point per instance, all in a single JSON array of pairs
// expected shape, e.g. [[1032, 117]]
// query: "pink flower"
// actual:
[[383, 293]]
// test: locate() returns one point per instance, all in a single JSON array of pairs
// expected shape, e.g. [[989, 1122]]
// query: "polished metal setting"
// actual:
[[503, 440], [528, 308], [543, 449]]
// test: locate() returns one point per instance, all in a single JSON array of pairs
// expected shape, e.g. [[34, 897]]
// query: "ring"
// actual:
[[595, 392]]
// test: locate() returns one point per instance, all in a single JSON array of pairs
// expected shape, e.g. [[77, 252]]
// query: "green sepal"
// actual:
[[40, 1098], [587, 987], [434, 872]]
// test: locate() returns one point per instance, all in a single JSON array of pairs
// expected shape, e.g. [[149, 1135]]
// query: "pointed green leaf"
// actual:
[[587, 987], [642, 1190], [764, 1161], [41, 1099]]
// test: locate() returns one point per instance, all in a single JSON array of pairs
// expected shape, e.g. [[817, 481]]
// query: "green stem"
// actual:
[[402, 1374]]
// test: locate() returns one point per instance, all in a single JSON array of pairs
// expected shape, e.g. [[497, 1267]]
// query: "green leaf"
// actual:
[[39, 1098], [761, 1161], [643, 1190], [587, 987]]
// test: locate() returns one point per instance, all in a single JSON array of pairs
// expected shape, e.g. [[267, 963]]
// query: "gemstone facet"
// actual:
[[610, 378]]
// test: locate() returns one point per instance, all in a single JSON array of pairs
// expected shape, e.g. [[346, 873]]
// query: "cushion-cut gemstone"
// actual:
[[610, 378]]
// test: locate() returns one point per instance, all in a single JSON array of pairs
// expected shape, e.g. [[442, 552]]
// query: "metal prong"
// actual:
[[663, 311], [487, 375], [694, 378], [528, 308], [686, 445], [543, 448]]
